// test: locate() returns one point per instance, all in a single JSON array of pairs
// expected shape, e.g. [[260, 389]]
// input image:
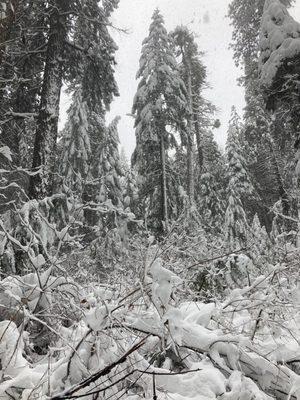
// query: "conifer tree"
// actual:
[[76, 146], [211, 204], [193, 73], [159, 106], [258, 239], [236, 225], [79, 50], [237, 170], [109, 167], [129, 186], [264, 138], [240, 187]]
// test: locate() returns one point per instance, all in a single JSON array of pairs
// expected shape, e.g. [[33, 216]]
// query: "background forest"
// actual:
[[173, 275]]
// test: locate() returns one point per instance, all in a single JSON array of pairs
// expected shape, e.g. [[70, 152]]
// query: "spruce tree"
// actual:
[[236, 225], [193, 73], [109, 167], [211, 204], [76, 146], [79, 50], [263, 138], [129, 186], [258, 239], [237, 169], [159, 106]]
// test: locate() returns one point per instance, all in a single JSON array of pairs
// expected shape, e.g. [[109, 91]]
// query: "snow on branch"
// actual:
[[279, 40]]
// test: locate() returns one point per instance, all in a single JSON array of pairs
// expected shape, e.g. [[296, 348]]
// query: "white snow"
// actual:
[[279, 41]]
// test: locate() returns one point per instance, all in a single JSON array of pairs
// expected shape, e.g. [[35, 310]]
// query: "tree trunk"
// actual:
[[198, 137], [164, 196], [41, 184], [190, 140], [279, 182]]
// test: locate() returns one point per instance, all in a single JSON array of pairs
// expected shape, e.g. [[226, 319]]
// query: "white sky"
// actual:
[[207, 19]]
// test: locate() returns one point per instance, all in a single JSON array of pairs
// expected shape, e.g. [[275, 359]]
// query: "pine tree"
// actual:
[[236, 225], [93, 55], [41, 184], [240, 188], [129, 186], [110, 168], [76, 152], [193, 73], [79, 50], [258, 239], [159, 106], [237, 170], [263, 137], [211, 204], [279, 76]]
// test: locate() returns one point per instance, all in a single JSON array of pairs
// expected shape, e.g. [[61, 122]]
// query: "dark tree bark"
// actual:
[[164, 195], [198, 137], [41, 184], [191, 135]]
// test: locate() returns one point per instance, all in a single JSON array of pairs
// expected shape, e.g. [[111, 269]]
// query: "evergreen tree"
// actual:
[[129, 186], [237, 169], [259, 240], [263, 137], [211, 204], [93, 55], [76, 146], [109, 167], [79, 50], [236, 225], [193, 73], [160, 107]]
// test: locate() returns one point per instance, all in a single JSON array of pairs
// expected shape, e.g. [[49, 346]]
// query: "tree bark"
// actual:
[[41, 184], [190, 138], [164, 196], [198, 137]]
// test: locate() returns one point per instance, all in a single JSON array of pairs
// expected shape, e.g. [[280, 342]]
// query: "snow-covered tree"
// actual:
[[109, 167], [236, 225], [159, 106], [80, 51], [258, 241], [129, 185], [279, 77], [94, 55], [237, 170], [265, 138], [76, 150], [211, 204], [189, 64]]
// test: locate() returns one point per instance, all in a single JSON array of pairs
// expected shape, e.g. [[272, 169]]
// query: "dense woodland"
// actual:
[[173, 275]]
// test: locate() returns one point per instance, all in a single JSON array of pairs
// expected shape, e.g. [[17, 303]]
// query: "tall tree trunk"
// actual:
[[198, 137], [190, 138], [41, 184], [164, 196], [279, 182]]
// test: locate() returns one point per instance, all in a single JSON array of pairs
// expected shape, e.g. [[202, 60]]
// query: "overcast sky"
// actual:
[[207, 19]]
